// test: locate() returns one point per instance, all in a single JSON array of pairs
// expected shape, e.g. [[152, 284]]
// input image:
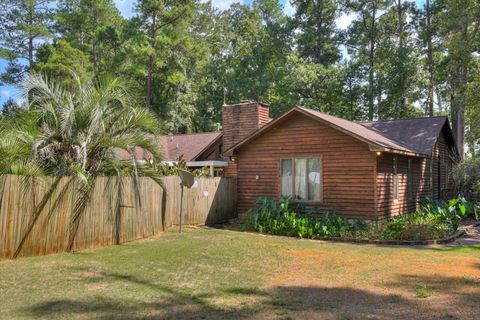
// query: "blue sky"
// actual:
[[126, 8]]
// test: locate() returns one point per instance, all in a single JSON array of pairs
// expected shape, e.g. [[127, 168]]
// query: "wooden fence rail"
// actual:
[[213, 200]]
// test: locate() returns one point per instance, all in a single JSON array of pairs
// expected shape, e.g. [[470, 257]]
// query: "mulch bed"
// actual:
[[470, 227]]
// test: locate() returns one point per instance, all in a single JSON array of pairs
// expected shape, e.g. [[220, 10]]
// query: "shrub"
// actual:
[[466, 177], [434, 220], [279, 218]]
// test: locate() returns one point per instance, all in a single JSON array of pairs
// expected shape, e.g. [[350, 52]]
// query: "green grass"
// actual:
[[219, 274], [422, 291]]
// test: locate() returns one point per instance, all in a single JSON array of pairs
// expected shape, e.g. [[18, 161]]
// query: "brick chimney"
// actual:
[[239, 120]]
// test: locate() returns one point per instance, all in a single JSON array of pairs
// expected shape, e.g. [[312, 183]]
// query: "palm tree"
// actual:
[[78, 133]]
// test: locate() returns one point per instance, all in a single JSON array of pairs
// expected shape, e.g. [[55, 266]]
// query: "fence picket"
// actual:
[[96, 226]]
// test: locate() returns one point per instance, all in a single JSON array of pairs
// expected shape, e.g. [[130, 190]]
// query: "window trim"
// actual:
[[410, 180], [395, 178], [293, 158]]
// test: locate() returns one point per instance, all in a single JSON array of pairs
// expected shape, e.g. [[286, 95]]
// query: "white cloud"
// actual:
[[5, 93], [344, 21]]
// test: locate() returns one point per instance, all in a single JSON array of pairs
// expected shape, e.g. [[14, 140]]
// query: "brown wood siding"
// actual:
[[213, 152], [348, 166], [420, 175], [443, 159]]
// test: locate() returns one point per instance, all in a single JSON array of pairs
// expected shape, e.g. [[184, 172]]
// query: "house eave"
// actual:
[[375, 148]]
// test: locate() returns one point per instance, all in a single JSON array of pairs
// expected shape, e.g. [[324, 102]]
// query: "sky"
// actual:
[[126, 9]]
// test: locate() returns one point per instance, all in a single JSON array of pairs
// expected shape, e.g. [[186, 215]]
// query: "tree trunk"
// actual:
[[371, 60], [151, 61], [30, 38], [459, 102], [401, 54], [430, 61], [95, 58]]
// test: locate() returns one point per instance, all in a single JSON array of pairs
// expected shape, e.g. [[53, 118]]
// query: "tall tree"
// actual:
[[429, 40], [92, 26], [397, 65], [460, 23], [317, 37], [63, 63], [363, 39], [24, 24], [153, 17]]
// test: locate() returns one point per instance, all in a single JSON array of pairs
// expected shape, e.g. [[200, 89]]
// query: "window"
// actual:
[[395, 179], [410, 179], [300, 178]]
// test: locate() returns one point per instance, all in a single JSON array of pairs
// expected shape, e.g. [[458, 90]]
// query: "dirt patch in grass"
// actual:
[[380, 282]]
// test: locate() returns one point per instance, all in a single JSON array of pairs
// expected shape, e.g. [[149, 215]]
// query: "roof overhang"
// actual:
[[373, 146], [208, 146], [209, 163], [390, 150]]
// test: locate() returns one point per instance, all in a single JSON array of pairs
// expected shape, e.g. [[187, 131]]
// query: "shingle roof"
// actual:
[[189, 146], [418, 134], [410, 136], [358, 130]]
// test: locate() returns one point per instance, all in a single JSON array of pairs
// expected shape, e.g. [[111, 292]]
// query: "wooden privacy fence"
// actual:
[[212, 200]]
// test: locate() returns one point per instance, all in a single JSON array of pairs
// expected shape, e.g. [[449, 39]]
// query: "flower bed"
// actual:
[[435, 220]]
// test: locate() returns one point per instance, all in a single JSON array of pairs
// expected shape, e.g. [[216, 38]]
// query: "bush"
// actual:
[[466, 177], [279, 219], [434, 220]]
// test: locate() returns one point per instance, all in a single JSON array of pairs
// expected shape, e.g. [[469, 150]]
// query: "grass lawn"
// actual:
[[220, 274]]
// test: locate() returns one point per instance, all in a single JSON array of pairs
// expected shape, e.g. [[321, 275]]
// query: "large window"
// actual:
[[301, 178]]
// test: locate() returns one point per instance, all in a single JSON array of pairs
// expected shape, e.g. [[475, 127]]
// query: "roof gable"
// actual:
[[190, 146], [376, 134]]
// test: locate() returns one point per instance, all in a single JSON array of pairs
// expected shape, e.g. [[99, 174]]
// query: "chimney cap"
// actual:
[[247, 102]]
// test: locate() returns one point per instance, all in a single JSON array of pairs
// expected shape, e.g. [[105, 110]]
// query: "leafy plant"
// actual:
[[172, 169], [278, 218], [78, 131], [434, 220]]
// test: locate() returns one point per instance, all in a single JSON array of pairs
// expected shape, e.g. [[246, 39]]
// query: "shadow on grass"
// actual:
[[280, 301]]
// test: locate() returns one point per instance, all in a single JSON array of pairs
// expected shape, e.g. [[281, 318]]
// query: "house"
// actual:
[[369, 170], [197, 149]]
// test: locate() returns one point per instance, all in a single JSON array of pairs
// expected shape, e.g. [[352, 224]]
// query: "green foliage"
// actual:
[[281, 218], [433, 221], [62, 62], [78, 132], [180, 163], [466, 177], [403, 60], [24, 25], [423, 291]]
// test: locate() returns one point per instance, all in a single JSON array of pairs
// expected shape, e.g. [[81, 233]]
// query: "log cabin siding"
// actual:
[[348, 166], [421, 173], [213, 152], [443, 164]]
